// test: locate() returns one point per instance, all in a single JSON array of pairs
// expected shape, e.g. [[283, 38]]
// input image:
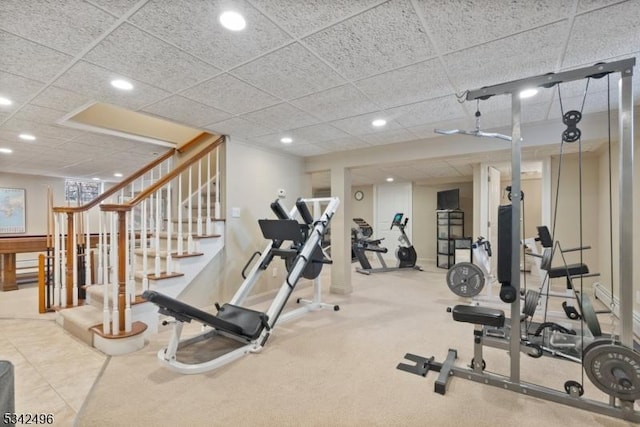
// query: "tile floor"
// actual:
[[54, 371]]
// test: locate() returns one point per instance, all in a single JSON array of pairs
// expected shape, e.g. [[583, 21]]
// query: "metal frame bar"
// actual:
[[167, 355], [625, 68], [626, 409]]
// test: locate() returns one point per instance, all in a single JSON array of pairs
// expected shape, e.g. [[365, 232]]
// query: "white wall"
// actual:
[[253, 177]]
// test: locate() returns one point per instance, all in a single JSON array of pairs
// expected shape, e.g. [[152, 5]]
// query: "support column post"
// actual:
[[341, 232]]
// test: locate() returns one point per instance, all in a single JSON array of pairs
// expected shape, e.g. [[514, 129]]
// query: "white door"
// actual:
[[493, 175], [391, 199]]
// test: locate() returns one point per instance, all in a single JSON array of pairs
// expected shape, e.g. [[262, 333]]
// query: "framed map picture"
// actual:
[[12, 210]]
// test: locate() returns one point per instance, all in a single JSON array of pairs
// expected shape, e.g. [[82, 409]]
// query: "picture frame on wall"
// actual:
[[13, 217]]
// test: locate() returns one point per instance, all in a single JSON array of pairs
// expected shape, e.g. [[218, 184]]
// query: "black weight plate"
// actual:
[[572, 118], [530, 302], [614, 369], [465, 279], [589, 315]]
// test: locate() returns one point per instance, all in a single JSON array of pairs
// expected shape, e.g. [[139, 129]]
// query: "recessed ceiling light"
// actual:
[[379, 122], [121, 84], [5, 101], [118, 175], [389, 179], [27, 137], [6, 150], [95, 178], [286, 140], [528, 93], [232, 21]]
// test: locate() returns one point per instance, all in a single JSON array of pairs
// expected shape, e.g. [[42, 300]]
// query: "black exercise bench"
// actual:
[[232, 319]]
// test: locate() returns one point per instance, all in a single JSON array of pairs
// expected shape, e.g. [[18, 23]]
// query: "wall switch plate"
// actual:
[[235, 212], [275, 272]]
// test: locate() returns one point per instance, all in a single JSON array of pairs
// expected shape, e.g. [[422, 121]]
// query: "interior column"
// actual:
[[341, 232]]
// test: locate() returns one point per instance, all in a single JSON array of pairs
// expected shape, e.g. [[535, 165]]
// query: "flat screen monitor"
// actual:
[[449, 199]]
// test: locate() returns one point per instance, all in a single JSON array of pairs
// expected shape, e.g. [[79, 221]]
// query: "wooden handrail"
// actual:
[[165, 179], [118, 186]]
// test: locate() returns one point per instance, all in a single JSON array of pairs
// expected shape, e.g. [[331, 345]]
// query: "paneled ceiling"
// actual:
[[317, 71]]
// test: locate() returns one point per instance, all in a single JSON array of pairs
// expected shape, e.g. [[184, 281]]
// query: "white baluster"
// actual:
[[209, 228], [99, 276], [169, 230], [87, 252], [127, 278], [180, 237], [145, 249], [151, 205], [189, 217], [217, 207], [199, 223], [156, 239]]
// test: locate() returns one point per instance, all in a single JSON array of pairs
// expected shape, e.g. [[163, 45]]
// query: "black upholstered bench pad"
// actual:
[[478, 315], [182, 311], [573, 269], [250, 321]]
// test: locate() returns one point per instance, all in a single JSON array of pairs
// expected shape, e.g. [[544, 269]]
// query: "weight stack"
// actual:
[[504, 244]]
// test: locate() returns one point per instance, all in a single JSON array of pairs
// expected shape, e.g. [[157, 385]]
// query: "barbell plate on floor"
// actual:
[[614, 369], [465, 279], [530, 302], [590, 316]]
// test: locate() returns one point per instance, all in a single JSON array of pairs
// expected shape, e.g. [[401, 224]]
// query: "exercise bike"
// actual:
[[405, 254]]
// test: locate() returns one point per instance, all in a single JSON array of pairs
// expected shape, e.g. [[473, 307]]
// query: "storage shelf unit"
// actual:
[[450, 227]]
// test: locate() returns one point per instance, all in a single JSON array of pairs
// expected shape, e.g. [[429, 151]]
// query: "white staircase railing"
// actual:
[[132, 225]]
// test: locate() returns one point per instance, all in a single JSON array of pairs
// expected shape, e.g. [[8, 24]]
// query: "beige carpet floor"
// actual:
[[339, 369]]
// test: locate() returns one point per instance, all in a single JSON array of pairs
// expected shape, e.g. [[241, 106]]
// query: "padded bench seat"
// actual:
[[478, 315], [570, 270], [250, 321]]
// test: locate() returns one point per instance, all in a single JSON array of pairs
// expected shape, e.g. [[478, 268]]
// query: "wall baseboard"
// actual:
[[603, 294]]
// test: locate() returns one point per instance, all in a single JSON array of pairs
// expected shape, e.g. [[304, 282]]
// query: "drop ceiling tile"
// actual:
[[603, 34], [522, 55], [431, 111], [239, 128], [93, 82], [343, 144], [17, 89], [28, 59], [60, 99], [116, 7], [455, 25], [584, 5], [383, 38], [230, 94], [38, 129], [336, 103], [361, 125], [407, 85], [304, 150], [186, 111], [213, 43], [67, 26], [281, 117], [290, 72], [134, 53], [316, 133], [388, 137], [311, 15], [38, 114]]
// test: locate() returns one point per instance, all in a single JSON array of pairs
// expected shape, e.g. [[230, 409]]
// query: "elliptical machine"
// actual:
[[405, 254]]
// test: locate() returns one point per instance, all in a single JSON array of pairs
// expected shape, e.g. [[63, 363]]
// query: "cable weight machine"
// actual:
[[613, 366]]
